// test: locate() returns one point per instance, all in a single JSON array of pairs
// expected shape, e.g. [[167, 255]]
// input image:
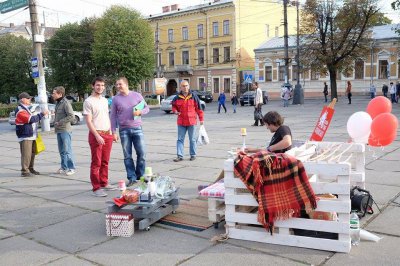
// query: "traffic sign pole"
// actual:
[[37, 54]]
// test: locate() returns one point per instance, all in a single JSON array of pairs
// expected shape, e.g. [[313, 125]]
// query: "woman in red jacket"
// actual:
[[187, 106]]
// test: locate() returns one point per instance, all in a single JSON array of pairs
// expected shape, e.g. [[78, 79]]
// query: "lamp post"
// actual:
[[298, 95], [285, 38]]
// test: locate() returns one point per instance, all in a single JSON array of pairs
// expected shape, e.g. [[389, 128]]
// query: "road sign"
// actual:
[[35, 67], [11, 5], [248, 78]]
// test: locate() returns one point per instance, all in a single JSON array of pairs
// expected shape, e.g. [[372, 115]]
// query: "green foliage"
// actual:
[[77, 106], [69, 55], [124, 45], [151, 101], [15, 67], [5, 110]]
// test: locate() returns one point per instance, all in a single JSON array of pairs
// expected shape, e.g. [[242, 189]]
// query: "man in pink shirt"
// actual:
[[126, 113]]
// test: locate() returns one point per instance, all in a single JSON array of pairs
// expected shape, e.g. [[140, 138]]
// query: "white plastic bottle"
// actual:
[[354, 228]]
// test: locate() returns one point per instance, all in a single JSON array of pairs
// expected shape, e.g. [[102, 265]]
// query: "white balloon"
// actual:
[[359, 125], [363, 139]]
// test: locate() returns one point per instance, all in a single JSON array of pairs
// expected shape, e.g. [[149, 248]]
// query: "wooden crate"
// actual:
[[326, 177]]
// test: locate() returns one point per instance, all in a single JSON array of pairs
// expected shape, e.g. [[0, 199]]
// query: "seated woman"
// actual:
[[281, 141]]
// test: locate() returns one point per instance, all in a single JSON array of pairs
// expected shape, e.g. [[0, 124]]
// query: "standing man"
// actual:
[[348, 91], [372, 90], [126, 114], [385, 89], [234, 101], [326, 92], [392, 92], [187, 106], [26, 130], [95, 109], [221, 101], [258, 102], [64, 115]]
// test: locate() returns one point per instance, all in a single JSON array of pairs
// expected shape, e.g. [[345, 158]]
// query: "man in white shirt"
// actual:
[[258, 102]]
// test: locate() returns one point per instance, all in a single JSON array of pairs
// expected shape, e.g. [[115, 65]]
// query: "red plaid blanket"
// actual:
[[279, 183]]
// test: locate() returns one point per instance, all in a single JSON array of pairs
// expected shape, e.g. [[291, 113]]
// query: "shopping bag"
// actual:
[[39, 144], [202, 139], [120, 224]]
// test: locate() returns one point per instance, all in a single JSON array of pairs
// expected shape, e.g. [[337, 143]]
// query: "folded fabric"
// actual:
[[278, 182], [120, 201], [216, 190]]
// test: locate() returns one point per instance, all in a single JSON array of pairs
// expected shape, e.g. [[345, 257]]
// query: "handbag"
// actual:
[[361, 201], [39, 144], [203, 139], [258, 114]]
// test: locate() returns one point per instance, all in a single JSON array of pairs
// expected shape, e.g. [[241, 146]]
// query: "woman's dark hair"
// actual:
[[273, 118]]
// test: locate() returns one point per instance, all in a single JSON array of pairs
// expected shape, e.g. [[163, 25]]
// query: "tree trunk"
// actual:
[[332, 76]]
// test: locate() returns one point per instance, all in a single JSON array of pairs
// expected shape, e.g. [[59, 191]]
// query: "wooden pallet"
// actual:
[[216, 210], [326, 177]]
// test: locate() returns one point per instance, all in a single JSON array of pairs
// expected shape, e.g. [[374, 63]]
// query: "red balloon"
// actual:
[[379, 105], [384, 125], [375, 142]]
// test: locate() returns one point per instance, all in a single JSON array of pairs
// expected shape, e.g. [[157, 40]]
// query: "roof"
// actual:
[[190, 8], [378, 33]]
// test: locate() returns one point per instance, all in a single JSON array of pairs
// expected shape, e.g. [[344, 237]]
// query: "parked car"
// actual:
[[247, 98], [166, 104], [52, 107], [206, 96]]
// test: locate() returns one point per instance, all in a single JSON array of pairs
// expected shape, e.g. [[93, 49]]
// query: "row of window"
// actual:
[[200, 31], [200, 56], [383, 72]]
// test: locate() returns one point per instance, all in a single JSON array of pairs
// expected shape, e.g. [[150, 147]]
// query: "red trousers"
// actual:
[[100, 159]]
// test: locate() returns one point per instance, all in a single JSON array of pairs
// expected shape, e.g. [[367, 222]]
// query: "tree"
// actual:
[[15, 67], [124, 45], [335, 34], [69, 57], [380, 19]]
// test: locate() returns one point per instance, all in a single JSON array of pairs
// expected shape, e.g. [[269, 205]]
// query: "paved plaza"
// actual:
[[54, 220]]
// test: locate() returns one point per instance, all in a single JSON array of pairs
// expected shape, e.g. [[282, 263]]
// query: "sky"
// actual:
[[64, 11]]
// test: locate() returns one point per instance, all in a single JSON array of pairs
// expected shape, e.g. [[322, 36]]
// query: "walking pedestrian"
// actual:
[[385, 89], [221, 101], [326, 92], [397, 91], [126, 114], [348, 91], [64, 115], [95, 110], [392, 92], [26, 124], [186, 106], [234, 101], [258, 102], [372, 90], [286, 96]]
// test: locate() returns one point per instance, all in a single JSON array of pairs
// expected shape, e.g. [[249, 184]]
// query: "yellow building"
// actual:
[[210, 44]]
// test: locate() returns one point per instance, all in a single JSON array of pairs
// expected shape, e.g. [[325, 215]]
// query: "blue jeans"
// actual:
[[234, 108], [181, 140], [133, 136], [65, 150]]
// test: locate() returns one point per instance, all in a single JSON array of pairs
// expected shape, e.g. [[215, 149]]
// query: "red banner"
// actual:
[[322, 124]]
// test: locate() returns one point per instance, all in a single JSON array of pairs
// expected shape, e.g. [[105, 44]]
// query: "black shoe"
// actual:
[[192, 158], [131, 182], [254, 125], [262, 125], [26, 174], [178, 159], [33, 171]]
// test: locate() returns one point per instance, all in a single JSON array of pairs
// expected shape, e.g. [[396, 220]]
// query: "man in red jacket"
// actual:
[[187, 106]]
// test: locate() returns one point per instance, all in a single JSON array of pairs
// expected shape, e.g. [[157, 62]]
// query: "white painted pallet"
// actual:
[[326, 177], [216, 210]]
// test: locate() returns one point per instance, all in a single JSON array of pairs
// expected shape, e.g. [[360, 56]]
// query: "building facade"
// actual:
[[380, 65], [210, 44]]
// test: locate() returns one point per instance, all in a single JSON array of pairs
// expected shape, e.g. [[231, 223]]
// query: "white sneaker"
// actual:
[[70, 172], [60, 171], [99, 193]]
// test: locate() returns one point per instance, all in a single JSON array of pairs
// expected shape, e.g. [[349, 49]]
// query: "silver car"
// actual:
[[52, 107], [166, 104]]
